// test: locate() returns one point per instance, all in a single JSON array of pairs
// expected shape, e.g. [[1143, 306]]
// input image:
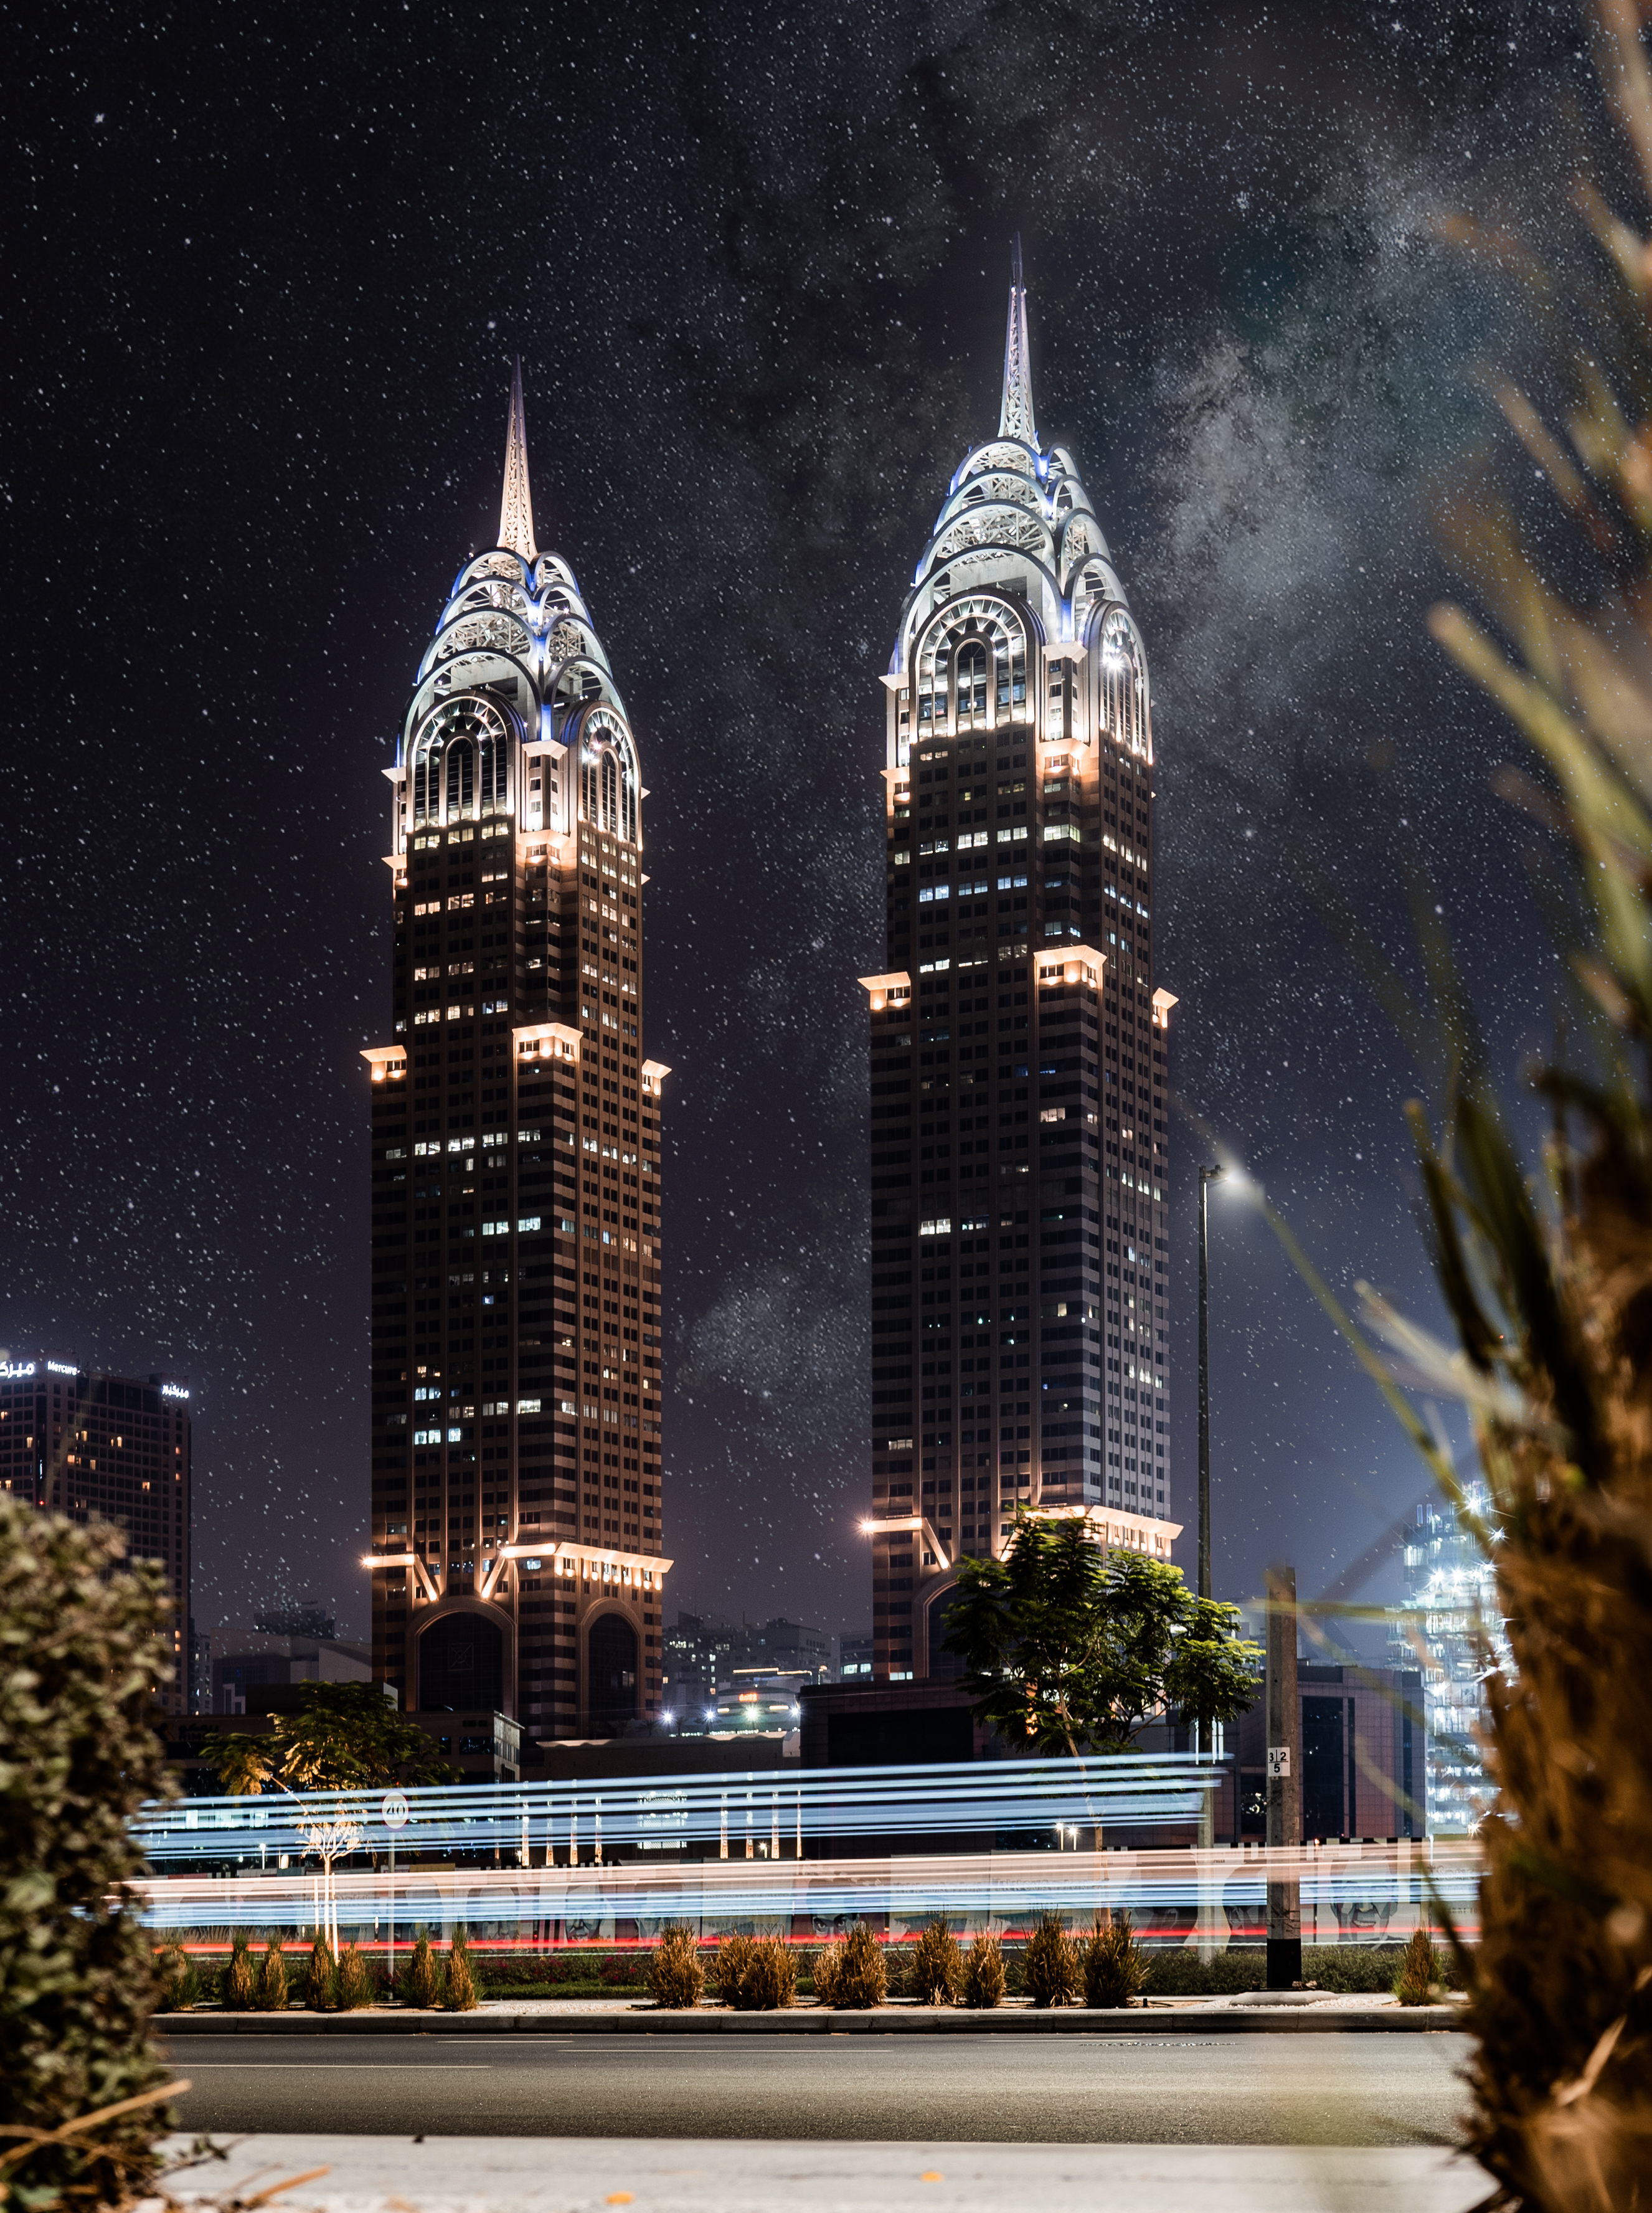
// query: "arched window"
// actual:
[[944, 1667], [607, 775], [493, 775], [611, 1672], [988, 641], [461, 1664], [425, 801], [461, 750], [1123, 684], [461, 779], [972, 686]]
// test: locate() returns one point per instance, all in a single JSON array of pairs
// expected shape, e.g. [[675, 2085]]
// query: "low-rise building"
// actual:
[[253, 1660]]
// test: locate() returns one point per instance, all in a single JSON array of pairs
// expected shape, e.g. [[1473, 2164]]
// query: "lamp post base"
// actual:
[[1284, 1962]]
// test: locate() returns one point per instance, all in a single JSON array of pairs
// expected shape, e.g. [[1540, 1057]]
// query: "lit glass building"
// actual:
[[107, 1448], [1020, 1158], [517, 1558], [1451, 1610]]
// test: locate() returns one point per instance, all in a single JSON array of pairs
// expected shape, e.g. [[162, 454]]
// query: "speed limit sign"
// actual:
[[394, 1809]]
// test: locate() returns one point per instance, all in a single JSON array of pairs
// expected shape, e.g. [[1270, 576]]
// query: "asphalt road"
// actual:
[[1258, 2089]]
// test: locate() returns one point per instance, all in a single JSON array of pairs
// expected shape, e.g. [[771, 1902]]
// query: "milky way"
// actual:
[[267, 268]]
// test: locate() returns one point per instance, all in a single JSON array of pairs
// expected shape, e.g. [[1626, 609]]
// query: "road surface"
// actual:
[[1253, 2089]]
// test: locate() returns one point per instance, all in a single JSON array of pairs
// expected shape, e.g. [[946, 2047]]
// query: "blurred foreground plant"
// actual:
[[82, 1652], [1549, 1278]]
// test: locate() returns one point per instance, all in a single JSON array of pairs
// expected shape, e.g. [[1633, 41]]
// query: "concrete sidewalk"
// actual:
[[1253, 2012], [471, 2174]]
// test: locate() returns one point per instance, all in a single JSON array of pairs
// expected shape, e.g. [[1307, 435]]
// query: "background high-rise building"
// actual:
[[517, 1518], [107, 1448], [1020, 1155], [1449, 1625]]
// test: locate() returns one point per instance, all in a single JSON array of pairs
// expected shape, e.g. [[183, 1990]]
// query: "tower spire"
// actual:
[[1016, 411], [516, 509]]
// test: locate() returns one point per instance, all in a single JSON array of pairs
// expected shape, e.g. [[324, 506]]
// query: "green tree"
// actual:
[[347, 1736], [83, 1649], [1070, 1648]]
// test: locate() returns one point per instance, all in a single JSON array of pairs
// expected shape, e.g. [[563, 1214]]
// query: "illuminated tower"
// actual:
[[1020, 1168], [107, 1448], [515, 1171]]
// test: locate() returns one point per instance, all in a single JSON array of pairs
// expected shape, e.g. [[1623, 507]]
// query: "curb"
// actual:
[[1064, 2020]]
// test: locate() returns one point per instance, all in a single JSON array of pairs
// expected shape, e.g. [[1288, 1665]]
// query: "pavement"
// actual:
[[490, 2174], [1190, 2088]]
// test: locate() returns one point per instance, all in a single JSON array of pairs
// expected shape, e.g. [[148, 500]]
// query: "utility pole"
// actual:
[[1284, 1783]]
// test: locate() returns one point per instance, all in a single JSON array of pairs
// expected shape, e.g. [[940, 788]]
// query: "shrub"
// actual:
[[180, 1986], [420, 1978], [1114, 1970], [627, 1972], [1050, 1968], [271, 1994], [460, 1997], [861, 1980], [1421, 1978], [1180, 1973], [828, 1972], [237, 1977], [321, 1978], [728, 1965], [1347, 1966], [82, 1651], [936, 1966], [770, 1978], [983, 1976], [675, 1975], [356, 1985]]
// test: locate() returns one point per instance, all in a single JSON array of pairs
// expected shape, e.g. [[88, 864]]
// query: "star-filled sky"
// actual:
[[265, 269]]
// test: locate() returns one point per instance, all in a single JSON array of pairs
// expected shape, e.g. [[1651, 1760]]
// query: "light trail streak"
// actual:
[[1346, 1890], [957, 1798]]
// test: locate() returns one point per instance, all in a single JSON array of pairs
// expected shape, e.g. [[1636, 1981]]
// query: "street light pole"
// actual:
[[1207, 1808], [1207, 1177]]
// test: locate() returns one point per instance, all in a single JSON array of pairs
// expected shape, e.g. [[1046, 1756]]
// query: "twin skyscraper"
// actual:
[[1019, 1164]]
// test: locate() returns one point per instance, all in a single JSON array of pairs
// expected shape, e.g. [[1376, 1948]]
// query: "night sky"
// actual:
[[265, 269]]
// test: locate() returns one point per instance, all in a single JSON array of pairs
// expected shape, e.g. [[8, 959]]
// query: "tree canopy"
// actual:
[[347, 1736], [1071, 1648]]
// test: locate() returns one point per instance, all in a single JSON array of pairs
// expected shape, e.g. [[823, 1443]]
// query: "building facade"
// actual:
[[518, 1528], [1359, 1747], [1020, 1160], [107, 1448]]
